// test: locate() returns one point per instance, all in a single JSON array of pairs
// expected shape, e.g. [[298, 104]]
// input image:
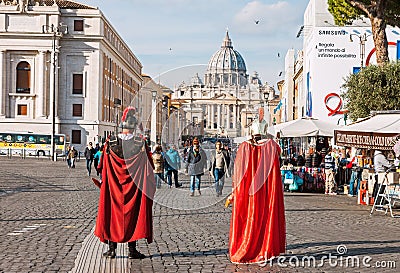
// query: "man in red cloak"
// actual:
[[258, 229], [126, 192]]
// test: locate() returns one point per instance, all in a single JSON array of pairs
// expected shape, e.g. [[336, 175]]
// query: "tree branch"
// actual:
[[360, 5]]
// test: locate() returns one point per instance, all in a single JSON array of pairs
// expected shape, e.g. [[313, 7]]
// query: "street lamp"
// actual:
[[363, 39], [268, 96], [57, 32], [153, 133]]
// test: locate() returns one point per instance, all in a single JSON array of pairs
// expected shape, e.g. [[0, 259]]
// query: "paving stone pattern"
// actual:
[[47, 215]]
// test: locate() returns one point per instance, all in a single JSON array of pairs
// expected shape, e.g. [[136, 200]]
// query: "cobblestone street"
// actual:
[[48, 213]]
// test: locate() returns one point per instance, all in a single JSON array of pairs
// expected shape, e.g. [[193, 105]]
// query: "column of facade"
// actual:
[[235, 119], [2, 89], [228, 115], [218, 116], [52, 84], [212, 116], [40, 99], [208, 116], [57, 83]]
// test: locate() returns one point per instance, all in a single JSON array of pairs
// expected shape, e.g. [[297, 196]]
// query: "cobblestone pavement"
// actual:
[[48, 211]]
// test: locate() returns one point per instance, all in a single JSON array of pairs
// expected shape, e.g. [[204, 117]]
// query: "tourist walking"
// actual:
[[96, 160], [89, 155], [195, 164], [173, 164], [219, 165], [67, 158], [158, 161], [72, 154]]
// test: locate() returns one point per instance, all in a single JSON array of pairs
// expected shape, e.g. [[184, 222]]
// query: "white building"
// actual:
[[90, 69], [226, 102], [330, 53]]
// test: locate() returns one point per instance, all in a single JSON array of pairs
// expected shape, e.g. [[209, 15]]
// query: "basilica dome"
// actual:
[[226, 66], [226, 58]]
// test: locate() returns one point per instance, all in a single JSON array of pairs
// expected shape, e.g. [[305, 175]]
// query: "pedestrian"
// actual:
[[96, 159], [219, 165], [67, 157], [72, 154], [196, 162], [127, 190], [89, 155], [173, 164], [158, 161], [330, 170]]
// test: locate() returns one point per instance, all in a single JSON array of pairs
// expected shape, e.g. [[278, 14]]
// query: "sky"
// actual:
[[174, 39]]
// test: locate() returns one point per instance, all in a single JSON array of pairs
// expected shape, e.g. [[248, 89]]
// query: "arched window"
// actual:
[[23, 77]]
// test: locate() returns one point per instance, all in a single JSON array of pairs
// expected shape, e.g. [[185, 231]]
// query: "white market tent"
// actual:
[[304, 127], [379, 131]]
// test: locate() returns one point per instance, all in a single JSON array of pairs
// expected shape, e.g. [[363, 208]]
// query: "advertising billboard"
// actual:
[[331, 55]]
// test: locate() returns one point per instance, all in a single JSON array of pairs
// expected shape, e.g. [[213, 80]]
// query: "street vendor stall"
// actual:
[[378, 132], [304, 142]]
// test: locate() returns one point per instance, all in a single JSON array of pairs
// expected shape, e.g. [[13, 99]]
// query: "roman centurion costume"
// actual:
[[127, 190]]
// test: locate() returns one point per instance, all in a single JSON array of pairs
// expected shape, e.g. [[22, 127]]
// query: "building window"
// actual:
[[23, 78], [77, 88], [77, 110], [78, 25], [76, 137], [22, 110]]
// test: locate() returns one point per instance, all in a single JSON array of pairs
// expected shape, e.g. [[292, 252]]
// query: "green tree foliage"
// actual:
[[379, 12], [373, 88]]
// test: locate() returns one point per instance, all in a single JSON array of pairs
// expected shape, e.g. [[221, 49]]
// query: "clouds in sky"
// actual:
[[195, 29], [272, 17]]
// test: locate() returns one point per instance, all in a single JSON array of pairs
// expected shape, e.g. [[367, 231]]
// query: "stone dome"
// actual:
[[226, 67], [226, 58]]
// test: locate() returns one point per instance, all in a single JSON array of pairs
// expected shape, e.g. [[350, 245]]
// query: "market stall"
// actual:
[[379, 132], [304, 143]]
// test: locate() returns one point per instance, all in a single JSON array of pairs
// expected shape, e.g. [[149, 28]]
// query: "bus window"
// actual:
[[59, 140], [31, 139], [9, 138], [19, 138], [43, 140]]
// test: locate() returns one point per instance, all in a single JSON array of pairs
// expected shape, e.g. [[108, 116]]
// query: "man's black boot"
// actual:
[[133, 253], [112, 246]]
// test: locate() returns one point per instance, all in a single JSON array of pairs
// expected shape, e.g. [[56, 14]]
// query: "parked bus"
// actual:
[[24, 144]]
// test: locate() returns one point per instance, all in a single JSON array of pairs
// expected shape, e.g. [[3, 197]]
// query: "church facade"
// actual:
[[226, 102]]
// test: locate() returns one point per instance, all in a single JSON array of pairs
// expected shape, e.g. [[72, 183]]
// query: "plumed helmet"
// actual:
[[128, 120]]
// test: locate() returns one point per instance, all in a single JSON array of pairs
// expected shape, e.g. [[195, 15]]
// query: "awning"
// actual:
[[304, 127], [378, 132]]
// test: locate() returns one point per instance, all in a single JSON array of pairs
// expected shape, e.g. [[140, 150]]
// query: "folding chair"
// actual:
[[386, 197]]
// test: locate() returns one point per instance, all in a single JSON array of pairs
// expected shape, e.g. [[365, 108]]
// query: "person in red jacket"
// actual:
[[127, 190]]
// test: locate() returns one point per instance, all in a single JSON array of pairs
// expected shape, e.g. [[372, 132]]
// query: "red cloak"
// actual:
[[126, 198], [258, 229]]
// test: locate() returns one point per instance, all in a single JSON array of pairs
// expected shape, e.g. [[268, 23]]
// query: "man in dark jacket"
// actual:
[[89, 155], [219, 165], [195, 164]]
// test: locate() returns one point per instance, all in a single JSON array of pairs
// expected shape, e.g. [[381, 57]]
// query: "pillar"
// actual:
[[2, 87], [41, 98]]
